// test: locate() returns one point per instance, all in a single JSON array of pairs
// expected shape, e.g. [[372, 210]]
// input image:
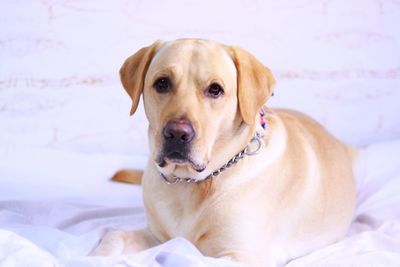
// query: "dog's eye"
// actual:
[[214, 90], [162, 85]]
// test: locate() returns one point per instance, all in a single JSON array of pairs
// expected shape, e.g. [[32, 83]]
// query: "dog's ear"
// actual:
[[133, 72], [255, 83]]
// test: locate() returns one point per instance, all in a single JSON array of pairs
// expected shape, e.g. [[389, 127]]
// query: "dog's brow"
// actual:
[[170, 71]]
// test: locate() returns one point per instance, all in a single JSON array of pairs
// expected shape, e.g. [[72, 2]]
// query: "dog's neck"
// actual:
[[252, 148]]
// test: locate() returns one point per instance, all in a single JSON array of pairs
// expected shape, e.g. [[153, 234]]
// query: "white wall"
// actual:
[[336, 60]]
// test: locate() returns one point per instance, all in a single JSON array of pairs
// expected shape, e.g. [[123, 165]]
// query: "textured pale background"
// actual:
[[338, 61]]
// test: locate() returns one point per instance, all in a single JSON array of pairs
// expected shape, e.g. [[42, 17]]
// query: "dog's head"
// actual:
[[201, 99]]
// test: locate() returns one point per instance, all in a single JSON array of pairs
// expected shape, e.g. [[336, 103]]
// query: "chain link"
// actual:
[[257, 140]]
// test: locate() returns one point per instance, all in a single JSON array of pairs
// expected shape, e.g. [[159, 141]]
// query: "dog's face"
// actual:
[[201, 99]]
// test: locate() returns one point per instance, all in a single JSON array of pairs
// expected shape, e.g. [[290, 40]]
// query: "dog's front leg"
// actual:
[[125, 242]]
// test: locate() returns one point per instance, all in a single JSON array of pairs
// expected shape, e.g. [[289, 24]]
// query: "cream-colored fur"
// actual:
[[296, 195]]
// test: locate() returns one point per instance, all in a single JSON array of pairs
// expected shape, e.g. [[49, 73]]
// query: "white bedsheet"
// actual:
[[60, 229]]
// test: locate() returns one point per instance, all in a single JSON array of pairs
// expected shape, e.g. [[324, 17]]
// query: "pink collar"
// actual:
[[263, 122]]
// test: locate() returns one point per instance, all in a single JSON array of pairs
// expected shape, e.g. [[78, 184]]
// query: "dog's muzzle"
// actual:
[[178, 136]]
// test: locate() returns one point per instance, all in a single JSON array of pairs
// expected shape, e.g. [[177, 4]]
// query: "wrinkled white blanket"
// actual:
[[62, 231]]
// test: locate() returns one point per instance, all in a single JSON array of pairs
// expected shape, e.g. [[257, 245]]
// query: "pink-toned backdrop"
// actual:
[[60, 95]]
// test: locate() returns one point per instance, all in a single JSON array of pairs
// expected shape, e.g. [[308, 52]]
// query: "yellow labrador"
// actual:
[[235, 178]]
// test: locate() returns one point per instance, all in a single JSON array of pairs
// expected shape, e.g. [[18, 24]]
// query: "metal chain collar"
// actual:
[[247, 151]]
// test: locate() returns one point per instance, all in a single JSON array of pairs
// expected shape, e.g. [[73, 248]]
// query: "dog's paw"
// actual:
[[113, 243]]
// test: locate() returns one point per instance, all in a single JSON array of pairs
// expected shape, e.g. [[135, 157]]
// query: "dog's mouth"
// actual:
[[178, 158]]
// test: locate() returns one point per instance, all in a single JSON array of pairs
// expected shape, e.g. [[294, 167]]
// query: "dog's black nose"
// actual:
[[179, 131]]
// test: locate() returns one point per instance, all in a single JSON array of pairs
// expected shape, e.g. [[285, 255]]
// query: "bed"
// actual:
[[60, 220]]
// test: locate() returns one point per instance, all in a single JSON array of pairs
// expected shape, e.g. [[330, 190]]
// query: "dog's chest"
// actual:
[[184, 215], [175, 214]]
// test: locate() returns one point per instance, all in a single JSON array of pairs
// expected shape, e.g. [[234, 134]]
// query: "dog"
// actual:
[[239, 180]]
